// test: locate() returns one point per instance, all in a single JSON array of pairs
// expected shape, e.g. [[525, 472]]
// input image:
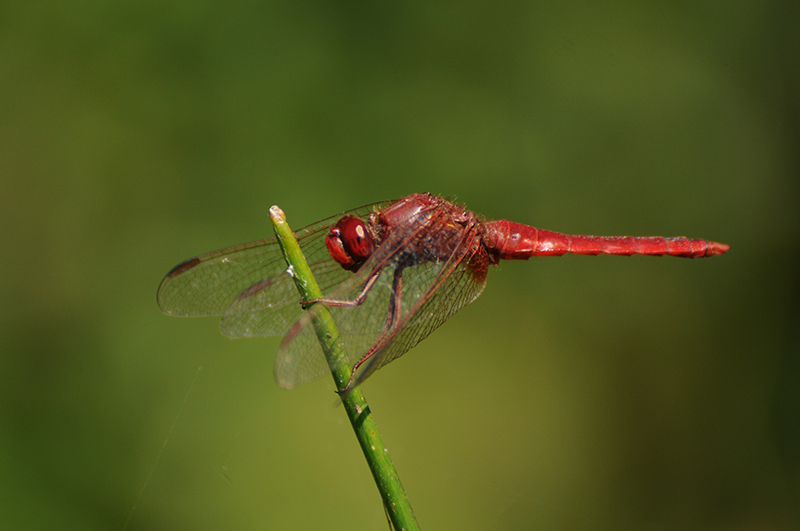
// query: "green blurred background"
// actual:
[[576, 393]]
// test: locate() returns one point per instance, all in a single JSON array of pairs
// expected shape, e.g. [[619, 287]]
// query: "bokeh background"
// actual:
[[576, 393]]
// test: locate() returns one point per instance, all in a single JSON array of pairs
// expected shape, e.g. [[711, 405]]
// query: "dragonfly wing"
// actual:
[[248, 279], [207, 284], [300, 358], [271, 306], [430, 304]]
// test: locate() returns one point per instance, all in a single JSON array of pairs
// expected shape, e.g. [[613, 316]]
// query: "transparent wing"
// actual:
[[248, 283], [431, 291], [456, 286]]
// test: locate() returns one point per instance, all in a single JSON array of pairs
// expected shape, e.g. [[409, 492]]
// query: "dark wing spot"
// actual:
[[255, 288], [183, 267]]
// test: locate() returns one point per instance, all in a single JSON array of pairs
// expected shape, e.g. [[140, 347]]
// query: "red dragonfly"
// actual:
[[391, 272]]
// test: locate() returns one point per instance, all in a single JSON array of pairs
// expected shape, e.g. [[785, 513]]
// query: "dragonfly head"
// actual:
[[350, 242]]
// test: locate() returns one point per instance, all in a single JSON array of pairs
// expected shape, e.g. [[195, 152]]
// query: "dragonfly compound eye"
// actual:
[[350, 242]]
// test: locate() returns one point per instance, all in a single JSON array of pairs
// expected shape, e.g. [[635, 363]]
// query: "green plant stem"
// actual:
[[391, 491]]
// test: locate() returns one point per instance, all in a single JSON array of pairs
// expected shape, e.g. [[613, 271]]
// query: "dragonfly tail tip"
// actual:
[[715, 248]]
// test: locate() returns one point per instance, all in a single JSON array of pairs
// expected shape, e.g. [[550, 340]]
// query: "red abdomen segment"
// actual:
[[515, 241]]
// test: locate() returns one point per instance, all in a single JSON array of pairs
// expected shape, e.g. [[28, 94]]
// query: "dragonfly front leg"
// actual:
[[358, 301]]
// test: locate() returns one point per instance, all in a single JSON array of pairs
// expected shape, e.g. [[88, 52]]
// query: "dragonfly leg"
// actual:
[[394, 301], [358, 301], [392, 320]]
